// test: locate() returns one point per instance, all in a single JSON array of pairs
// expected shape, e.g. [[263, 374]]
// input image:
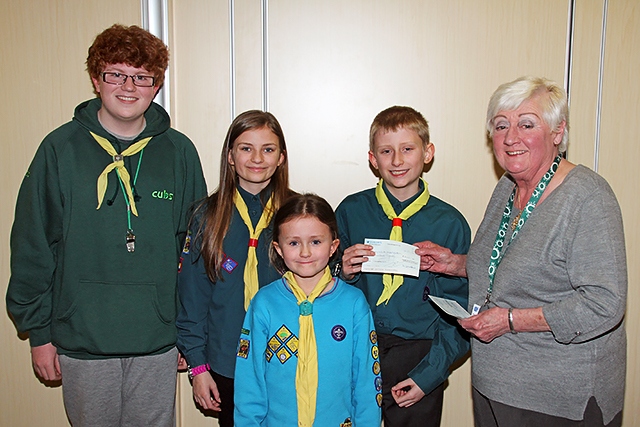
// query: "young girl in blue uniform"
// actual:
[[226, 256], [308, 353]]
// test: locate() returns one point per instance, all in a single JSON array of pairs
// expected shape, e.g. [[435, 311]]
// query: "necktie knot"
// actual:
[[396, 222], [253, 243]]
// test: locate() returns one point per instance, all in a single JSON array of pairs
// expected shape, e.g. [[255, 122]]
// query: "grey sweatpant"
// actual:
[[125, 392]]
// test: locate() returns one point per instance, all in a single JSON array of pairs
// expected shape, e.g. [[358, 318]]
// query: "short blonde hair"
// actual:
[[396, 117]]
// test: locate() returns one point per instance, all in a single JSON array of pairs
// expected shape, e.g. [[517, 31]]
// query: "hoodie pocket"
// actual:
[[109, 318]]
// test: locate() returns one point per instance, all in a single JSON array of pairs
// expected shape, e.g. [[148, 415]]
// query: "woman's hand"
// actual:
[[488, 325], [205, 392], [353, 257], [438, 259]]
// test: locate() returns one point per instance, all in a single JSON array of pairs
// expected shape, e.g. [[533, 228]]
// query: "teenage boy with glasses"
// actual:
[[93, 283]]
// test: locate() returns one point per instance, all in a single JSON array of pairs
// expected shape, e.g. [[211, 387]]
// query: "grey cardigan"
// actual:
[[569, 258]]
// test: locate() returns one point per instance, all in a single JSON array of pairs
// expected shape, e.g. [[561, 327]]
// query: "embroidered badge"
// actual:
[[243, 348], [377, 383], [376, 367], [245, 331], [373, 337], [229, 264], [346, 423], [283, 355], [338, 333], [283, 344], [374, 351], [379, 399], [187, 243], [180, 265], [425, 293]]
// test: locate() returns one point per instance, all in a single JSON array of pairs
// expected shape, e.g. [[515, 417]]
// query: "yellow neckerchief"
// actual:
[[118, 164], [251, 266], [391, 284], [307, 370]]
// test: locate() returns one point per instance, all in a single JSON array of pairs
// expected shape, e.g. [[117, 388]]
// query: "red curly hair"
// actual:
[[132, 46]]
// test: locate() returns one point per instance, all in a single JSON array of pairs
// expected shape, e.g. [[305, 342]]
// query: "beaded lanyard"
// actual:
[[497, 252]]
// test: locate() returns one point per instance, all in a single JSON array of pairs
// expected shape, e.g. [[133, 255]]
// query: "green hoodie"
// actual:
[[73, 283]]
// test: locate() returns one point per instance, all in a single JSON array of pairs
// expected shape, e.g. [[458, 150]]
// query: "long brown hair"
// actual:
[[217, 209]]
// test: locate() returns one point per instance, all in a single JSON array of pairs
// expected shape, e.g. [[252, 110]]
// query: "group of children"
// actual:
[[308, 351], [314, 348]]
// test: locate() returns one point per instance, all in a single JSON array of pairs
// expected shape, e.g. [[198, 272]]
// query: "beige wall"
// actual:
[[332, 65]]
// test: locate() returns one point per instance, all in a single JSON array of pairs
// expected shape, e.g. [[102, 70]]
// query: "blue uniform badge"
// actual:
[[338, 333], [243, 348], [377, 383], [229, 264], [346, 423], [425, 293]]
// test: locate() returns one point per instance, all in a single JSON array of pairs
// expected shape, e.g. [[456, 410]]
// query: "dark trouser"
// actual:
[[397, 358], [225, 388], [489, 413]]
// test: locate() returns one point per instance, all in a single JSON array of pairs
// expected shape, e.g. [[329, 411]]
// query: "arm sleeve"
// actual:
[[194, 188], [366, 410], [250, 392], [597, 270], [451, 342], [194, 292], [36, 233]]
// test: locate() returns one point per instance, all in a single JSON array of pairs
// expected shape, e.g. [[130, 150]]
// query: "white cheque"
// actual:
[[450, 307], [392, 258]]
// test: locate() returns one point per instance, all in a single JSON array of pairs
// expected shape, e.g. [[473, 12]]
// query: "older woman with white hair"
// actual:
[[548, 270]]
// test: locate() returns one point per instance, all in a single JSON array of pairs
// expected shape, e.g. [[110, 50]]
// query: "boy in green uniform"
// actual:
[[417, 345], [94, 272]]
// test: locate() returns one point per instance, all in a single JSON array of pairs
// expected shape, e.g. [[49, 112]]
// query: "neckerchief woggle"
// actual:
[[307, 369], [390, 282], [497, 253]]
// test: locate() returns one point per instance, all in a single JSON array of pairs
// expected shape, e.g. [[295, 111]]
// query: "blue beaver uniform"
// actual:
[[349, 384]]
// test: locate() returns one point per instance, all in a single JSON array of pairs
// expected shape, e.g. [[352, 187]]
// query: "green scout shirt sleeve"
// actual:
[[36, 232], [450, 342]]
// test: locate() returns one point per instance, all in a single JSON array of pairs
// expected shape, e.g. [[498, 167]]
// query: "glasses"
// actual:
[[119, 79]]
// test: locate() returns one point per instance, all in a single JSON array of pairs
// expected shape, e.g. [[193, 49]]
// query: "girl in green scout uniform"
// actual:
[[226, 255]]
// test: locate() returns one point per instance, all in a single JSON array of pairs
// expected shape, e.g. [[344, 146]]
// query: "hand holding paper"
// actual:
[[392, 257]]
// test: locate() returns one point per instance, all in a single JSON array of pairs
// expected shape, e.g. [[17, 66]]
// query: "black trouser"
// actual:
[[489, 413], [225, 388], [397, 358]]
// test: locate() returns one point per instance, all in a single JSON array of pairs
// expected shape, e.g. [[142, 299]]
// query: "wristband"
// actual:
[[197, 370], [511, 321]]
